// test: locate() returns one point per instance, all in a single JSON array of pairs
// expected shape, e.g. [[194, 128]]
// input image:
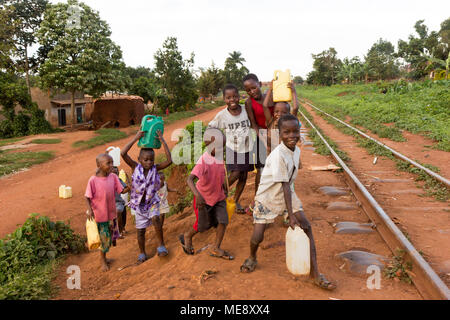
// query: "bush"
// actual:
[[27, 257], [20, 124]]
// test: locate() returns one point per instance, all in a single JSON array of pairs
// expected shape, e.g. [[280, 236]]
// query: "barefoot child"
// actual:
[[280, 108], [276, 196], [100, 197], [163, 192], [209, 195], [144, 197], [239, 141]]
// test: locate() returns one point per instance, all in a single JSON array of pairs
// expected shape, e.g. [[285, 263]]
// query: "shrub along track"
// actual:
[[421, 219]]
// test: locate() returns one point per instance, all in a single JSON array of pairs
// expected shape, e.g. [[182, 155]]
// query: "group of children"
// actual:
[[263, 135]]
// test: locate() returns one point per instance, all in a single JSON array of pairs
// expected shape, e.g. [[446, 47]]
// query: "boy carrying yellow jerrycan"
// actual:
[[281, 91]]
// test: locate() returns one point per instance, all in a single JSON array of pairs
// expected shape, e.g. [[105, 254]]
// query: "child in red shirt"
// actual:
[[101, 199], [209, 195]]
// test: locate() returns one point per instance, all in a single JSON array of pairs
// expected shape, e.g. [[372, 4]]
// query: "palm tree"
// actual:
[[235, 58]]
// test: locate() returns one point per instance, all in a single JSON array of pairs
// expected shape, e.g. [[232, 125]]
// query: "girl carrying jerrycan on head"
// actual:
[[145, 183]]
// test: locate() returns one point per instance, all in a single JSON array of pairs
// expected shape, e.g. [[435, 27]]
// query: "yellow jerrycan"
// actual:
[[297, 252], [93, 236], [231, 207], [281, 92], [65, 192]]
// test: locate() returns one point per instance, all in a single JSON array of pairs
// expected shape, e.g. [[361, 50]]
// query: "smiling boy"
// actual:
[[276, 197]]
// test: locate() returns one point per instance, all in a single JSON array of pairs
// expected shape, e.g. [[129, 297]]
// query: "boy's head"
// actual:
[[231, 96], [289, 127], [104, 163], [214, 140], [280, 109], [252, 86], [147, 158]]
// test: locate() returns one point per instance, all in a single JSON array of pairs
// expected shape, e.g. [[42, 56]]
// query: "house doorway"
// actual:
[[61, 117], [79, 114]]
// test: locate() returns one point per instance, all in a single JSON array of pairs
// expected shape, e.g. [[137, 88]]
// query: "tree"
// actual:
[[298, 80], [382, 61], [27, 16], [326, 68], [235, 70], [210, 81], [145, 87], [175, 77], [7, 45], [413, 50], [80, 56]]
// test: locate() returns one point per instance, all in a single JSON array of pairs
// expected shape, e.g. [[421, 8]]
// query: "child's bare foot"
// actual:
[[105, 266]]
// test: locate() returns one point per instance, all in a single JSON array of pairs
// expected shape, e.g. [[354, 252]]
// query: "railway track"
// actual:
[[425, 279]]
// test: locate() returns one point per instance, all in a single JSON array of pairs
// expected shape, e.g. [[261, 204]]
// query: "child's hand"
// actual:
[[293, 222], [291, 86], [139, 135], [90, 214], [200, 202]]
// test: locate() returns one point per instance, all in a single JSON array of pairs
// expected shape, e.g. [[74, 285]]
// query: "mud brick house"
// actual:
[[57, 106], [117, 111]]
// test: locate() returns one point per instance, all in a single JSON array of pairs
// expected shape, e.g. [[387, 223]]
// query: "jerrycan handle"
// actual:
[[145, 119], [275, 74]]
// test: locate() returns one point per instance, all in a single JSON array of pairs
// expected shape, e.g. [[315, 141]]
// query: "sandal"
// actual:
[[225, 255], [142, 258], [187, 250], [239, 209], [249, 265], [162, 251], [323, 283]]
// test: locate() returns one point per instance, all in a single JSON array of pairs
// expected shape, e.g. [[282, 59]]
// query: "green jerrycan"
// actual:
[[151, 124], [281, 92]]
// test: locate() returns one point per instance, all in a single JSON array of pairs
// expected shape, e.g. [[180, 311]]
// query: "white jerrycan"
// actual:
[[281, 92], [297, 252], [114, 152]]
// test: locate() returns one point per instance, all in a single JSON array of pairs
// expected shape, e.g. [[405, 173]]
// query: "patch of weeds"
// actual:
[[4, 142], [104, 135], [399, 268], [432, 187], [373, 148], [29, 256], [12, 162], [321, 148], [46, 141]]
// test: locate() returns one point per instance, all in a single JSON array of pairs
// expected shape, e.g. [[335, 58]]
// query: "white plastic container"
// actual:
[[297, 252], [65, 192], [281, 92], [114, 152]]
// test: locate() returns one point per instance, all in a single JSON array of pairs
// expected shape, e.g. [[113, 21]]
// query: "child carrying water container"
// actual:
[[120, 205], [280, 109], [100, 195], [145, 183], [239, 140], [209, 195], [276, 197]]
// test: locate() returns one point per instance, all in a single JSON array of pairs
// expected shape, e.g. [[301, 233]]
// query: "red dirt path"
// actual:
[[176, 276]]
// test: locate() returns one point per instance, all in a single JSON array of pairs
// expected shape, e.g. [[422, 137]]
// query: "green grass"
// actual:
[[421, 108], [46, 141], [14, 161], [4, 142], [103, 136]]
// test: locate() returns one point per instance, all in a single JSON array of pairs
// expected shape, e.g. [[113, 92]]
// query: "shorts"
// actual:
[[246, 162], [210, 216], [263, 215], [143, 218], [104, 232]]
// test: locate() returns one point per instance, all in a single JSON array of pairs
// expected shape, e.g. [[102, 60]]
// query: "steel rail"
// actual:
[[394, 152], [425, 279]]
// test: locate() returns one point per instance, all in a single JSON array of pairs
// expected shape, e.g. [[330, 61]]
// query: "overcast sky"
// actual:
[[276, 34]]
